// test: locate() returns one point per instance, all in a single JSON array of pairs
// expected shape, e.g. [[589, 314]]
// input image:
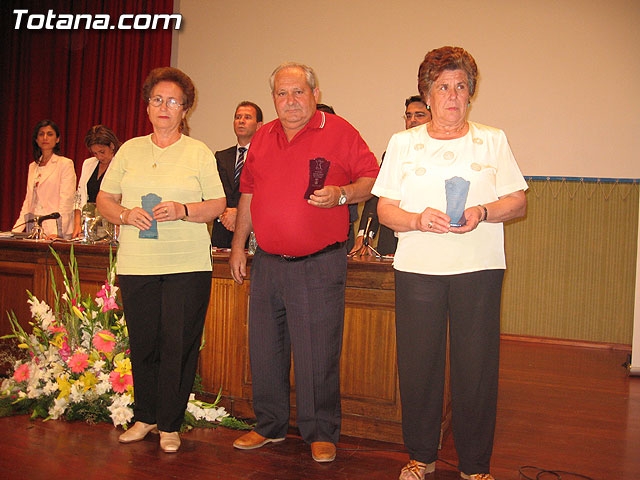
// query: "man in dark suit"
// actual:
[[415, 113], [246, 121]]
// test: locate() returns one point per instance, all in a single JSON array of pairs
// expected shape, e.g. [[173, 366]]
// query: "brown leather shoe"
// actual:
[[252, 440], [323, 451], [137, 432], [169, 442]]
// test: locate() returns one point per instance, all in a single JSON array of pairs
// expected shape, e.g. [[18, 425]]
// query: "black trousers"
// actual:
[[165, 316], [471, 302], [297, 305]]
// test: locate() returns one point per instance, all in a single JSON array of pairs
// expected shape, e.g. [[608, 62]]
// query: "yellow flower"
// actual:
[[58, 340], [77, 311], [108, 338], [89, 381], [123, 367], [23, 345], [64, 386]]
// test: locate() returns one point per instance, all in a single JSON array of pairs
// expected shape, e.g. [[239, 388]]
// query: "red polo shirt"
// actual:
[[276, 172]]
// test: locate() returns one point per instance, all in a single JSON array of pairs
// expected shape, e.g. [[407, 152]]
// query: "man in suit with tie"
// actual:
[[246, 121]]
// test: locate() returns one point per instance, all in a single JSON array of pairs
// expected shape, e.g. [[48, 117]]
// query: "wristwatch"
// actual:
[[343, 197]]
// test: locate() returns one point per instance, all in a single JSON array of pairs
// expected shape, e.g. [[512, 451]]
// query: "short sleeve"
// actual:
[[363, 162], [390, 177], [209, 177], [509, 179], [111, 182]]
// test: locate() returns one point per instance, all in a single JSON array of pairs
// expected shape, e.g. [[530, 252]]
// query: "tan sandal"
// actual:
[[415, 470]]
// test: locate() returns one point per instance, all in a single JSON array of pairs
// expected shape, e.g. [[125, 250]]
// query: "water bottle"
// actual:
[[252, 243]]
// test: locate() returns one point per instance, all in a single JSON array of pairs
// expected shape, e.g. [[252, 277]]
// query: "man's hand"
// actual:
[[238, 264], [326, 197], [228, 218]]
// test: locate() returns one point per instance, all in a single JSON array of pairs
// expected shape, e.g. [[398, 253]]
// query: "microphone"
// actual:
[[51, 216], [367, 230]]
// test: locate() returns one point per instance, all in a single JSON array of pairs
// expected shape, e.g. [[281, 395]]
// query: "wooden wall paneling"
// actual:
[[368, 349], [224, 341], [15, 279]]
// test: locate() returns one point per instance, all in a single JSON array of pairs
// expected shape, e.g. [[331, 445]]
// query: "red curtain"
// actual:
[[77, 78]]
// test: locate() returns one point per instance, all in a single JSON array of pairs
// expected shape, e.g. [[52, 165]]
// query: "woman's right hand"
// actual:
[[433, 221], [138, 218]]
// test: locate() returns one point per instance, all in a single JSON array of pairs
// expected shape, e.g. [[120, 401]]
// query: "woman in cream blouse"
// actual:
[[51, 183]]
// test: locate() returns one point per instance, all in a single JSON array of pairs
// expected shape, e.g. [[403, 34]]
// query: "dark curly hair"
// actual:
[[446, 58], [181, 79], [37, 153]]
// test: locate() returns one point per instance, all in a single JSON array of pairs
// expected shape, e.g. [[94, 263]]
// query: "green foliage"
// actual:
[[92, 412], [236, 424], [197, 384]]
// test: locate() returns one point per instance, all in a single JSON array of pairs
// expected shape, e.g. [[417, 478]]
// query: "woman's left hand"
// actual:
[[473, 215], [168, 211]]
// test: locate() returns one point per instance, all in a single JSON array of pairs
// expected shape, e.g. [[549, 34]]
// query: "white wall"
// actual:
[[560, 77]]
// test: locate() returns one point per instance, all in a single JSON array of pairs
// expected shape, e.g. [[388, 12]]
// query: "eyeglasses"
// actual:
[[171, 102], [416, 115]]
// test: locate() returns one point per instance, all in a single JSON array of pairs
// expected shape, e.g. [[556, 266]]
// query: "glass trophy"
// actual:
[[318, 169]]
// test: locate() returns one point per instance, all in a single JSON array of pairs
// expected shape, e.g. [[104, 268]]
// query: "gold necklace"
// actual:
[[153, 153]]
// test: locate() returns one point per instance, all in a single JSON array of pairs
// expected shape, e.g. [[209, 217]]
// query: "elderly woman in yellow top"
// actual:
[[163, 188], [449, 266], [51, 183]]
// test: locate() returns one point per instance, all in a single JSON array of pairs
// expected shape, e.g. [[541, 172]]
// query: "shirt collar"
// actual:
[[317, 121], [52, 160]]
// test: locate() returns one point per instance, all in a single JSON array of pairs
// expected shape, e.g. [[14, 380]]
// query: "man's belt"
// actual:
[[328, 248]]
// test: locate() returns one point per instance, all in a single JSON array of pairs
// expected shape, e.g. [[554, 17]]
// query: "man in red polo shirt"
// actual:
[[298, 273]]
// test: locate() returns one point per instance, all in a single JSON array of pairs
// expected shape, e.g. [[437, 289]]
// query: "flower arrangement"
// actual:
[[77, 362]]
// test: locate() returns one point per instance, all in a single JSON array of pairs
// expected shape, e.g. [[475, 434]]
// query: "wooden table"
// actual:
[[369, 379]]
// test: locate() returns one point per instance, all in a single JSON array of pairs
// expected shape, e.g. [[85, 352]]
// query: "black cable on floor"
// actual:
[[541, 473], [371, 449]]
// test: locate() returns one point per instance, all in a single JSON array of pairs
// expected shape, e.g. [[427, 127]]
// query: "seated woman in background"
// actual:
[[103, 144], [51, 182]]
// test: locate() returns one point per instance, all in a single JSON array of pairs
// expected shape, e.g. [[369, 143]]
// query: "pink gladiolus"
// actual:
[[120, 382], [79, 362], [22, 373], [104, 341], [109, 304], [65, 351], [104, 292]]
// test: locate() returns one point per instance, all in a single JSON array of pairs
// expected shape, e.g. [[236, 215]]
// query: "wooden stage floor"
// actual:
[[560, 408]]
